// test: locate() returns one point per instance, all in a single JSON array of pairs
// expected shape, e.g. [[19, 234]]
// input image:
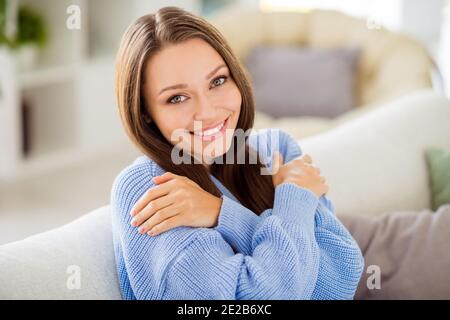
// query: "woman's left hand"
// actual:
[[175, 201]]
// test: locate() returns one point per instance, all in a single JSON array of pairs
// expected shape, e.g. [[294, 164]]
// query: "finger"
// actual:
[[277, 162], [307, 158], [151, 208], [300, 161], [313, 168], [174, 220], [169, 176], [153, 193], [166, 176], [159, 217]]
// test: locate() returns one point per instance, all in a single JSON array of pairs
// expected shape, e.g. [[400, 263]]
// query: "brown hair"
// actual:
[[146, 36]]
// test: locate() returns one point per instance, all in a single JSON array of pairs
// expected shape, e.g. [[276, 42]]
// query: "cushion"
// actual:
[[299, 127], [408, 250], [391, 64], [75, 261], [297, 81], [375, 163], [438, 161]]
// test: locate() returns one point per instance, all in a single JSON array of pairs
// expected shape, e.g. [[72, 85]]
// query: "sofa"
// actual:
[[392, 64], [374, 165]]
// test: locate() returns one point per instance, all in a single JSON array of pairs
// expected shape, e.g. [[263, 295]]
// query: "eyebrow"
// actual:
[[184, 85]]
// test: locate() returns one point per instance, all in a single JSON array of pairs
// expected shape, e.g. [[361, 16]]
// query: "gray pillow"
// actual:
[[410, 251], [297, 81]]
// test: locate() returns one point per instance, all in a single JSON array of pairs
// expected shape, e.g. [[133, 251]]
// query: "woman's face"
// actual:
[[192, 97]]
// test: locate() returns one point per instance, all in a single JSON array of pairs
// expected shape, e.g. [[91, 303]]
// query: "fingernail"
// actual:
[[141, 230], [133, 222], [132, 212]]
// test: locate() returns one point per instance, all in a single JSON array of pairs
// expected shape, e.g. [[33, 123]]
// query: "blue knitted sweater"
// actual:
[[296, 250]]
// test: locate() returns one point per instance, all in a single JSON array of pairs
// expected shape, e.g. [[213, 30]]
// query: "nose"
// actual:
[[204, 110]]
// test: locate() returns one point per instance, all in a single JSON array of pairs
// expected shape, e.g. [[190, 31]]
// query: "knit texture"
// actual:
[[296, 250]]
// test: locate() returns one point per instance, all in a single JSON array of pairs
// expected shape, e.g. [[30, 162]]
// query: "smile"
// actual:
[[211, 133]]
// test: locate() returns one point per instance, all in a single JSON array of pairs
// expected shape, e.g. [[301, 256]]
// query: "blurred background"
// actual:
[[61, 140]]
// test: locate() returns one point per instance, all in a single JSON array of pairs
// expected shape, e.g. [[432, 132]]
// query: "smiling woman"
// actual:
[[220, 230], [175, 73], [207, 95]]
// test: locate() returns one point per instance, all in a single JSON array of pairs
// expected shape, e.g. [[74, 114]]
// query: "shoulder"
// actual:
[[132, 181], [140, 169], [128, 187], [267, 141], [131, 184]]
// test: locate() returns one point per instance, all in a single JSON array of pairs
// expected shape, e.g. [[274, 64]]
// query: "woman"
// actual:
[[215, 227]]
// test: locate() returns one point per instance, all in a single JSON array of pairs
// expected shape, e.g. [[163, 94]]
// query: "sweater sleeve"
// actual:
[[283, 263], [197, 263], [341, 260], [237, 224], [239, 235], [340, 256]]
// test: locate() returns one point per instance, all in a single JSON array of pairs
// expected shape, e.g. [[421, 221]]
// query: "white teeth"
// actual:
[[210, 131]]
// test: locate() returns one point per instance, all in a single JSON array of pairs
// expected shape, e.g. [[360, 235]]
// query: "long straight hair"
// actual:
[[143, 38]]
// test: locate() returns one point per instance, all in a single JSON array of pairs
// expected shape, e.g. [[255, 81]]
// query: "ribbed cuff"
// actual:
[[237, 224], [325, 212], [295, 204]]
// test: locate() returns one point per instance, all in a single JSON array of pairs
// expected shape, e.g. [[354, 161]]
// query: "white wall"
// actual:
[[423, 18]]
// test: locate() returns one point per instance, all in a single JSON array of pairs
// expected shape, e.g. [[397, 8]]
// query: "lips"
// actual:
[[212, 133]]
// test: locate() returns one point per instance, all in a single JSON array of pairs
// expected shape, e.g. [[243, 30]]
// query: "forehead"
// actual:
[[183, 62]]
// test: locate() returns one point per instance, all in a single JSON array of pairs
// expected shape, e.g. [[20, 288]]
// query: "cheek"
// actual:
[[170, 120], [233, 97]]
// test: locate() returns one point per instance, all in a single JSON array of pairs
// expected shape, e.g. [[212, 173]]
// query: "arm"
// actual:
[[283, 263], [197, 263], [340, 256], [238, 235], [269, 141]]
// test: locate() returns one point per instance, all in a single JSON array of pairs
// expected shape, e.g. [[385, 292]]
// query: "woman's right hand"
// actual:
[[299, 171]]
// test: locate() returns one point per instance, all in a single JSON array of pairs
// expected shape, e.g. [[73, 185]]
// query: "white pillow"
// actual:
[[47, 265], [375, 163]]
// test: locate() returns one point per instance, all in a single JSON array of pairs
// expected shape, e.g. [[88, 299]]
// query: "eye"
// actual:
[[219, 80], [216, 82], [175, 99]]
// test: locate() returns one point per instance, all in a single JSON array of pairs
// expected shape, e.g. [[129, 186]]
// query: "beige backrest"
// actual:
[[391, 64]]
